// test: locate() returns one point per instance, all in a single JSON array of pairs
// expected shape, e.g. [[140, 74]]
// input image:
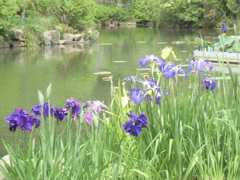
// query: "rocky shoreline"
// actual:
[[50, 38]]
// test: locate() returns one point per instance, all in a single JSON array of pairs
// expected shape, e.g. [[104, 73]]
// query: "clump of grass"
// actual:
[[192, 134], [34, 28]]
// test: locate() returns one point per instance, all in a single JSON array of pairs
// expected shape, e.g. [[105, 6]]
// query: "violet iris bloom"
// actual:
[[131, 79], [136, 95], [224, 28], [46, 110], [74, 105], [97, 106], [145, 61], [153, 90], [60, 114], [199, 65], [135, 125], [20, 118], [88, 117], [209, 84], [36, 111], [149, 83], [169, 71], [131, 128]]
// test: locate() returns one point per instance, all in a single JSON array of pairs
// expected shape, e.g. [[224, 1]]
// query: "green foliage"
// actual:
[[228, 43], [190, 11], [214, 12], [111, 13], [9, 16], [35, 26], [145, 10], [233, 6], [78, 14]]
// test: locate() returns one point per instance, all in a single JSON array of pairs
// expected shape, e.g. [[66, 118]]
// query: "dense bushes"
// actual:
[[78, 14], [84, 13], [8, 14], [145, 10], [111, 13]]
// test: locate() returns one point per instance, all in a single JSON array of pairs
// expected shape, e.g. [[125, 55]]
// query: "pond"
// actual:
[[71, 69]]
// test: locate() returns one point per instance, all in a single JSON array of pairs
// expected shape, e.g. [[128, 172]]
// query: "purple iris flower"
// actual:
[[97, 106], [132, 79], [60, 114], [131, 128], [136, 95], [20, 118], [149, 83], [224, 28], [88, 117], [74, 105], [36, 111], [46, 110], [151, 92], [199, 65], [135, 125], [141, 119], [209, 84], [145, 61], [35, 121], [169, 71]]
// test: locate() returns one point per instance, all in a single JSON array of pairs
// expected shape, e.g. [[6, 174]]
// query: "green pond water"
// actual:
[[71, 69]]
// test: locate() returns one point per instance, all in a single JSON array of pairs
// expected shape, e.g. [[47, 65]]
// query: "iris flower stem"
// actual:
[[14, 140], [25, 135], [152, 68]]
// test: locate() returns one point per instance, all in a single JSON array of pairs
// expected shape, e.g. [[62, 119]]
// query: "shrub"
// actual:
[[35, 26], [8, 14], [111, 13], [145, 10], [78, 14]]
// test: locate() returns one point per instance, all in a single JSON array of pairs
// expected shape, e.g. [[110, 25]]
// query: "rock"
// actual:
[[17, 34], [51, 37], [5, 160], [150, 24], [65, 42], [17, 44], [107, 23], [68, 37], [69, 30], [128, 24], [78, 37], [115, 23], [176, 27]]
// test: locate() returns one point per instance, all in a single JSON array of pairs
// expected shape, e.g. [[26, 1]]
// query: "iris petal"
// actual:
[[136, 95]]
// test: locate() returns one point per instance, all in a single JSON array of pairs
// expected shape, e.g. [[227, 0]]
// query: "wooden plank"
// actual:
[[215, 56]]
